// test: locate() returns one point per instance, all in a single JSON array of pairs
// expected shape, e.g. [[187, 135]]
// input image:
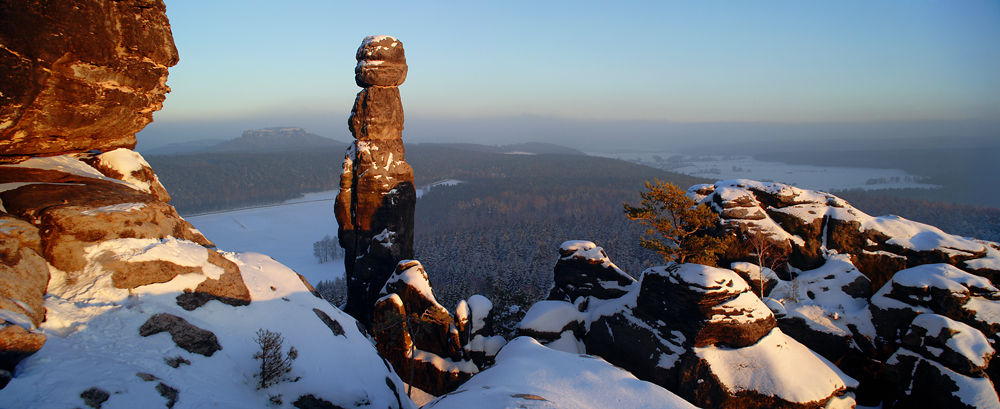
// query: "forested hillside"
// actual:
[[497, 232]]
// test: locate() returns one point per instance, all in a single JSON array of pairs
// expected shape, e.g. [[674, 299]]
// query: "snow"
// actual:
[[943, 276], [550, 316], [919, 236], [479, 308], [126, 161], [70, 164], [991, 261], [705, 279], [830, 309], [415, 277], [975, 392], [567, 342], [286, 232], [93, 340], [529, 375], [965, 340], [121, 207], [443, 364], [777, 365], [745, 308]]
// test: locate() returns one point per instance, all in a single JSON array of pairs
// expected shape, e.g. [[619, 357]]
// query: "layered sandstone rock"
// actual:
[[808, 223], [417, 335], [376, 201], [85, 75]]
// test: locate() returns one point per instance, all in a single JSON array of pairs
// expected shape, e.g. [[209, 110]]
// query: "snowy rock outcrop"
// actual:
[[584, 270], [376, 201], [808, 223], [419, 336], [941, 364], [940, 322], [86, 74], [700, 332]]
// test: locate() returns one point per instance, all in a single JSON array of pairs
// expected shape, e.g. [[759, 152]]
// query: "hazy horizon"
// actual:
[[651, 73]]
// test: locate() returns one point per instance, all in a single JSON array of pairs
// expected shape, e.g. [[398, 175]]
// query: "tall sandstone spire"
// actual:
[[376, 201]]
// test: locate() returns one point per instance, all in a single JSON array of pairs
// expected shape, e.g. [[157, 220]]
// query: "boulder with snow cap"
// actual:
[[827, 310], [129, 166], [584, 270], [417, 335], [941, 364], [375, 206], [940, 289], [700, 332], [708, 305]]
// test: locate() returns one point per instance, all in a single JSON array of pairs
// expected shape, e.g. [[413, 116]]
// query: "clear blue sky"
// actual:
[[252, 64]]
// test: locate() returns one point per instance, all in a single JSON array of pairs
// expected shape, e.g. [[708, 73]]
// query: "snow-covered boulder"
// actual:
[[698, 331], [529, 375], [941, 364], [584, 270], [129, 166], [417, 335], [940, 289]]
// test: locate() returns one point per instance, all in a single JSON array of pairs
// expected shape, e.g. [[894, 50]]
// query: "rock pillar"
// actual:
[[377, 197]]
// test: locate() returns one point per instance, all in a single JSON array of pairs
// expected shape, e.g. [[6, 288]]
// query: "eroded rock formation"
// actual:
[[419, 336], [85, 75], [699, 331], [376, 201]]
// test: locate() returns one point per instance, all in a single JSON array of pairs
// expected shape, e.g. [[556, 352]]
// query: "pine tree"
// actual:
[[273, 362], [678, 226]]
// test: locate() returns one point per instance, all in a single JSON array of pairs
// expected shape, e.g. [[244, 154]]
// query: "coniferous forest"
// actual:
[[496, 233]]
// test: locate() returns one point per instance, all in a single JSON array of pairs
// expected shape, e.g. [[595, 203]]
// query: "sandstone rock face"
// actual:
[[808, 223], [17, 343], [66, 91], [414, 332], [24, 275], [412, 329], [584, 270], [376, 201], [75, 207]]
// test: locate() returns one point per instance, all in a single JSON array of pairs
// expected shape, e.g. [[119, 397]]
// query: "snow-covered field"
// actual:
[[824, 178], [285, 232]]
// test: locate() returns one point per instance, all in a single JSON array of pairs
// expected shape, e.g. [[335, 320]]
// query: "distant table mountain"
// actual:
[[275, 139]]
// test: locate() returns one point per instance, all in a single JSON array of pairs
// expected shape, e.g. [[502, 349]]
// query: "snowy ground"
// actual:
[[824, 178], [285, 232]]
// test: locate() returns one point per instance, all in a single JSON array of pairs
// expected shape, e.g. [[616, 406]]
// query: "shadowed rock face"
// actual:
[[376, 201], [80, 74]]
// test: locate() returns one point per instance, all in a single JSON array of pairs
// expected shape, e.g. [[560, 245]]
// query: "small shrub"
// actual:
[[273, 362]]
